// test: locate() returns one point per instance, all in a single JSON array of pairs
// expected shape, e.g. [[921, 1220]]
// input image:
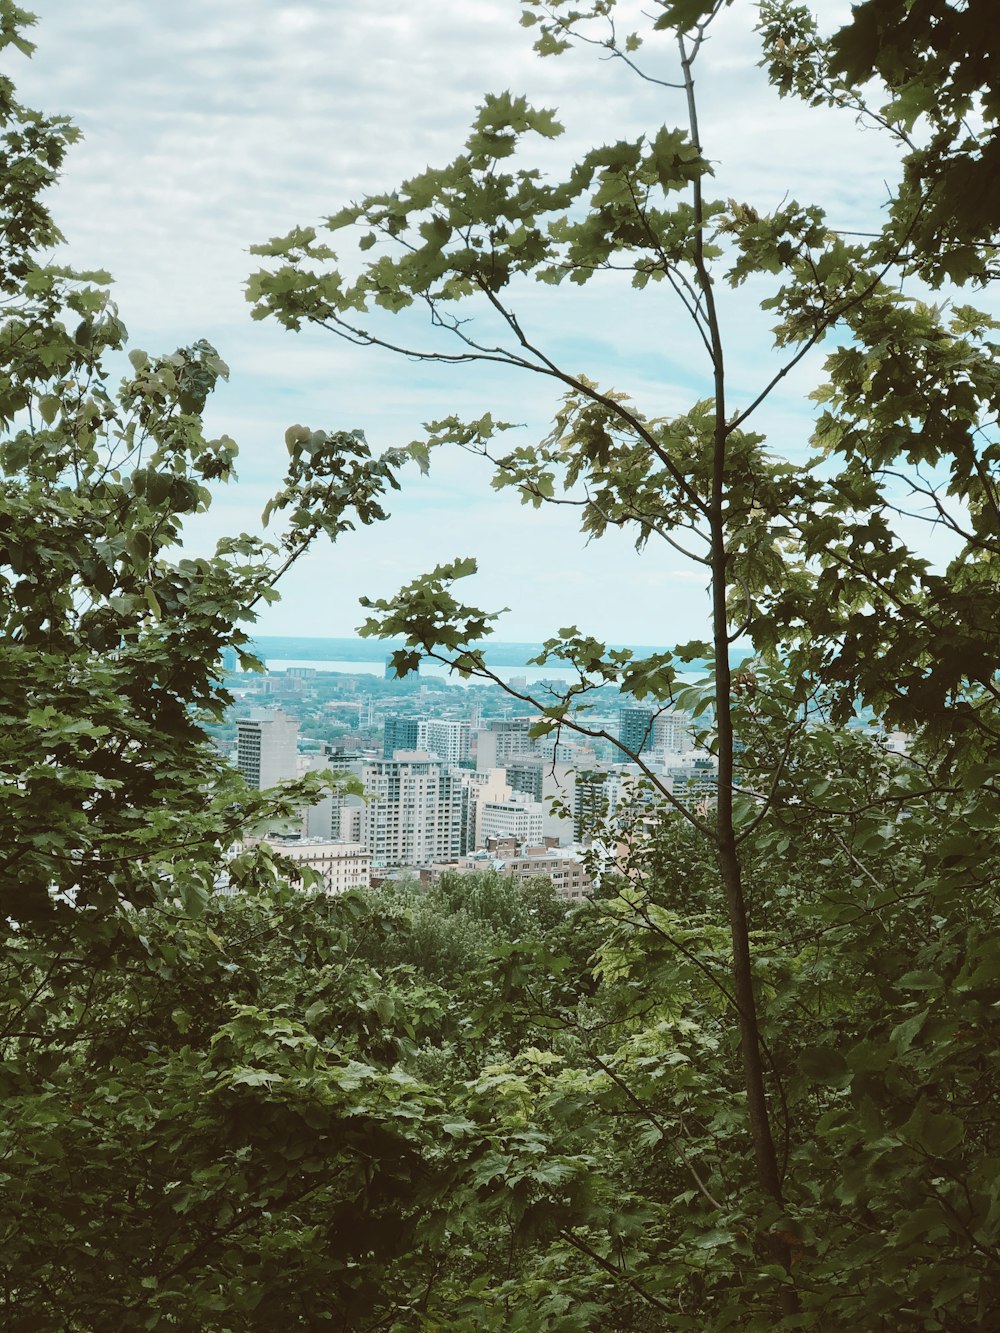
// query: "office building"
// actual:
[[266, 747], [594, 801], [400, 734], [635, 731]]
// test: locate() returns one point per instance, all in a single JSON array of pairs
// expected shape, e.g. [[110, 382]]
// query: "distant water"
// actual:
[[368, 656], [530, 674]]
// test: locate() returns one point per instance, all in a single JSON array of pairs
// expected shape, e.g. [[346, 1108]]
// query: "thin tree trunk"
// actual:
[[727, 856]]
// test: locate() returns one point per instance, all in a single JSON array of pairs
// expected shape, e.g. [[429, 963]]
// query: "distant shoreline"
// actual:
[[497, 653]]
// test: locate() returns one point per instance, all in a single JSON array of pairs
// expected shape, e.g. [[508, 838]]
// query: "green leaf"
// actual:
[[49, 406], [936, 1133]]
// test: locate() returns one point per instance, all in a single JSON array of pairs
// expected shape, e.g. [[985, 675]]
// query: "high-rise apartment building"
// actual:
[[672, 731], [527, 776], [504, 739], [412, 816], [470, 790], [595, 799], [400, 734], [447, 741], [266, 747], [635, 731]]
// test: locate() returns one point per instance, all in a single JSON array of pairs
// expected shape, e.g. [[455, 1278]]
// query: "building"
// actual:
[[527, 776], [470, 790], [504, 739], [447, 741], [672, 731], [519, 818], [340, 865], [693, 781], [400, 734], [635, 730], [412, 815], [267, 747], [569, 875], [594, 802]]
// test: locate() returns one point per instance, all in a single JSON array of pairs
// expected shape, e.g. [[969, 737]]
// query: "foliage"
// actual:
[[937, 64], [786, 996], [213, 1135], [109, 644], [453, 925], [753, 1083], [119, 819]]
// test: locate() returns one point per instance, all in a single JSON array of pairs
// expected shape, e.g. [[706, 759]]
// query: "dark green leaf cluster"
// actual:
[[938, 64]]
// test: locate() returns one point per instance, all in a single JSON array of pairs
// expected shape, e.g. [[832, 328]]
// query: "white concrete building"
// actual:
[[693, 779], [411, 815], [569, 875], [471, 789], [447, 741], [518, 817], [342, 865], [266, 747], [672, 732], [502, 739]]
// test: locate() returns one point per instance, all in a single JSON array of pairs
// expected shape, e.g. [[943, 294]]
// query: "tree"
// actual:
[[804, 561], [214, 1135], [454, 925], [145, 1089], [109, 644]]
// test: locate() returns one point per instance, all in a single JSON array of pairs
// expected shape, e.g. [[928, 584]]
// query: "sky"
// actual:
[[210, 125]]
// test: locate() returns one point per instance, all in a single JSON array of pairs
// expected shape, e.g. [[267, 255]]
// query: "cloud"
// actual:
[[212, 124]]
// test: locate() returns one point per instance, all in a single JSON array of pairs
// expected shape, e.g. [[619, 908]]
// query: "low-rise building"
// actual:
[[568, 873], [340, 865], [518, 817]]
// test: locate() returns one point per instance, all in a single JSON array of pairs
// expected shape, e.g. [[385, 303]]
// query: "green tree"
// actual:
[[154, 1057], [215, 1134], [110, 644], [805, 561], [455, 924]]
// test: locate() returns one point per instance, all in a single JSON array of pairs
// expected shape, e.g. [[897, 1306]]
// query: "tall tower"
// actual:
[[635, 731], [411, 817], [266, 747], [400, 734]]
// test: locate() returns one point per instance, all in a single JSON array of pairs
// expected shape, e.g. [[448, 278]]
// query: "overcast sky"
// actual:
[[212, 124]]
